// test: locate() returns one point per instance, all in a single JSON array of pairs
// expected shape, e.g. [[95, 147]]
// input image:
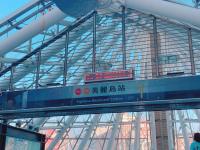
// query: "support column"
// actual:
[[160, 117], [155, 48], [161, 130]]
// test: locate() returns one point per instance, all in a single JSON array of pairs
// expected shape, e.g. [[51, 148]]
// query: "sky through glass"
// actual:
[[8, 6]]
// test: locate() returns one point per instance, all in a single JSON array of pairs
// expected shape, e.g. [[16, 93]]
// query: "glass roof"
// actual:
[[191, 3], [105, 130]]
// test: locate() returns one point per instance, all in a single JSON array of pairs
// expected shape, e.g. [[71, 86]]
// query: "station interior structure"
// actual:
[[125, 38]]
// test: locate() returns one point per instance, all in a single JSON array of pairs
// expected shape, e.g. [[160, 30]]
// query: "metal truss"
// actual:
[[127, 39]]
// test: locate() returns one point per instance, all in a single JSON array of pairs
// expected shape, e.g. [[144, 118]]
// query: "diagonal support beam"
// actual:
[[112, 142], [60, 133], [88, 132]]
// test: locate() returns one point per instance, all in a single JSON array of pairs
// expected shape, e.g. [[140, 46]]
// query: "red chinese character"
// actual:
[[86, 91]]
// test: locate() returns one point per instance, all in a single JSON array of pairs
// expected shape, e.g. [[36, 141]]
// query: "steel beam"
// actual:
[[62, 131], [170, 129], [156, 47], [90, 129], [184, 129], [137, 131], [153, 131], [112, 141], [66, 59], [94, 42], [191, 52], [124, 37]]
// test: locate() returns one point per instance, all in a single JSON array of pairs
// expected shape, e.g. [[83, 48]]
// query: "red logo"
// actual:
[[86, 91], [78, 91]]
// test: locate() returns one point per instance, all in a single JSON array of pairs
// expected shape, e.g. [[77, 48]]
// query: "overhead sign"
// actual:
[[105, 97], [109, 76]]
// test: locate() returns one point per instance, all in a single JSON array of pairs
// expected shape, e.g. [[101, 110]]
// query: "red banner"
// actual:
[[108, 76]]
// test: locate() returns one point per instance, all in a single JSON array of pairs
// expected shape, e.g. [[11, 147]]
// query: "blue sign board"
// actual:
[[116, 96]]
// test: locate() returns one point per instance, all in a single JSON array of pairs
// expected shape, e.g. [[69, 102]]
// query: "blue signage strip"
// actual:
[[116, 96]]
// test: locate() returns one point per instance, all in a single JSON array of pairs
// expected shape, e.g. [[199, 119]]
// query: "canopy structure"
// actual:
[[43, 48]]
